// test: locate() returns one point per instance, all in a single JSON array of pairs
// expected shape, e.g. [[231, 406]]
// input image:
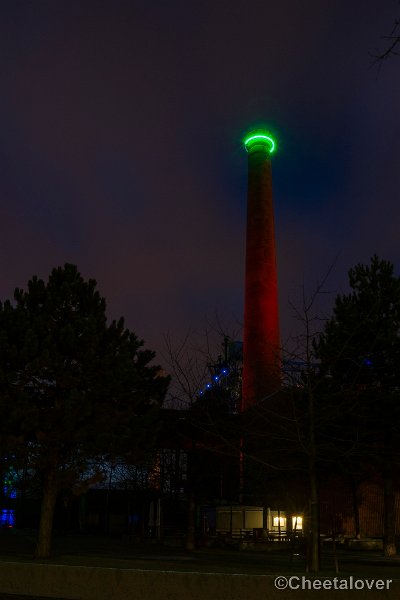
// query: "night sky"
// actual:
[[121, 125]]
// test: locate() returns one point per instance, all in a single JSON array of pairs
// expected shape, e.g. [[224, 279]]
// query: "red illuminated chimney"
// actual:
[[261, 344]]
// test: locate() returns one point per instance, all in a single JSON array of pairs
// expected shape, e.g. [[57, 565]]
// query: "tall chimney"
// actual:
[[261, 344]]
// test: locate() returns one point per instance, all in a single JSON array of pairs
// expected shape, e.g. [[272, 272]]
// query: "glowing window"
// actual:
[[279, 522], [297, 522], [7, 518]]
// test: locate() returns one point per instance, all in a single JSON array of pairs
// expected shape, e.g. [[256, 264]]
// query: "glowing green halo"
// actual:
[[253, 138]]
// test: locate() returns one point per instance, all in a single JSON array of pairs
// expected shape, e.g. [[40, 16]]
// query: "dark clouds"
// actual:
[[120, 146]]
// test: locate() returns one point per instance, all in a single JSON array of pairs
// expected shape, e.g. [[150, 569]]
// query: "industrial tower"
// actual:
[[261, 343]]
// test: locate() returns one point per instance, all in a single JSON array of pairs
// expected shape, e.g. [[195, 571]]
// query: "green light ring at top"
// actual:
[[261, 136]]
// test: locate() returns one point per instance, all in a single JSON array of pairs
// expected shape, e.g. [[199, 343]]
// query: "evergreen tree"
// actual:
[[72, 387], [360, 351]]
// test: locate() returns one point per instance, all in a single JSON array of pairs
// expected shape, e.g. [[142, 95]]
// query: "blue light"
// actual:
[[367, 362], [215, 379], [9, 492], [7, 517]]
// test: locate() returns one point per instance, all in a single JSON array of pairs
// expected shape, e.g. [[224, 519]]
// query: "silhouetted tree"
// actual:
[[391, 43], [72, 387], [360, 351], [208, 388]]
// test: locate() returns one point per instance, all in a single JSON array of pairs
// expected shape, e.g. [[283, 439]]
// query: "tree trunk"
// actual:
[[356, 509], [43, 547], [313, 564], [313, 557], [389, 546], [190, 537]]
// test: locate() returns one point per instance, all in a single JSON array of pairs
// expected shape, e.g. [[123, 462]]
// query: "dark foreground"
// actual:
[[83, 566], [19, 597], [122, 552]]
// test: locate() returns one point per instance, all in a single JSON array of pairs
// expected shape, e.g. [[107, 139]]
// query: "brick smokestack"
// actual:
[[261, 344]]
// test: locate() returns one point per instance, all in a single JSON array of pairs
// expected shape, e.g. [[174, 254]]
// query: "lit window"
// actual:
[[297, 522], [7, 518], [279, 521]]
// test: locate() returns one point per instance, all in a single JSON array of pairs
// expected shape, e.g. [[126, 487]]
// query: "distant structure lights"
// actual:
[[216, 379]]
